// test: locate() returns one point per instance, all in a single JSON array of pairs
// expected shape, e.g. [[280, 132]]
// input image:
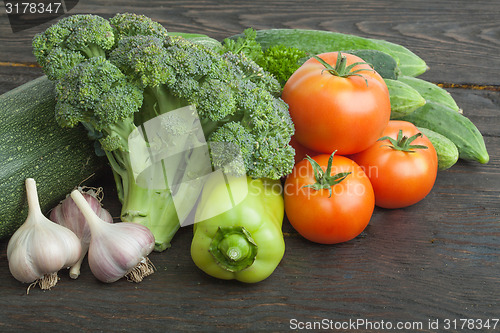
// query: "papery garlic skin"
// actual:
[[69, 215], [118, 249], [40, 247], [115, 249]]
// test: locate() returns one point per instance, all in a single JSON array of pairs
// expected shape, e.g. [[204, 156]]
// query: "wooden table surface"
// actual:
[[435, 263]]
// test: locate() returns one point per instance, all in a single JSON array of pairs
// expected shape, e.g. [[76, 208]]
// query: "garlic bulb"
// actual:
[[67, 214], [40, 247], [116, 250]]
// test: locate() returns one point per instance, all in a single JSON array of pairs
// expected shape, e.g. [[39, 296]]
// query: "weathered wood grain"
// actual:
[[459, 39], [435, 260]]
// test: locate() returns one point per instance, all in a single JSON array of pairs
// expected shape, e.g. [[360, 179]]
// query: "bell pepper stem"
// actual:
[[233, 248]]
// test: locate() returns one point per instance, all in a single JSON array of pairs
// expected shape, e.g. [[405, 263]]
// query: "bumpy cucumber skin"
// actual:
[[431, 91], [409, 62], [447, 151], [198, 39], [33, 145], [404, 99], [382, 63], [319, 41], [453, 125]]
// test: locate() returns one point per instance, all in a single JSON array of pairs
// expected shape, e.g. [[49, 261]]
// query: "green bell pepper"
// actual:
[[239, 235]]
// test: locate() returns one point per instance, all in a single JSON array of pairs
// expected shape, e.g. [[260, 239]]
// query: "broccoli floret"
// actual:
[[130, 24], [232, 147], [70, 41], [175, 72], [115, 85], [96, 93]]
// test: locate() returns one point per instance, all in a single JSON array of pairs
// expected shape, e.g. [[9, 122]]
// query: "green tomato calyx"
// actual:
[[403, 143], [341, 69], [233, 248], [325, 179]]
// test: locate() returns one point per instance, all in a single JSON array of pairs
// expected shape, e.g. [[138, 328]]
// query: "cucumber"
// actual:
[[33, 145], [410, 63], [447, 151], [404, 99], [431, 91], [319, 41], [382, 62], [453, 125], [198, 39]]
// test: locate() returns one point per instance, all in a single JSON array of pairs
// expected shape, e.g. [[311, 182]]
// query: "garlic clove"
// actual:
[[20, 268], [116, 250], [56, 247], [67, 214], [40, 248], [119, 249]]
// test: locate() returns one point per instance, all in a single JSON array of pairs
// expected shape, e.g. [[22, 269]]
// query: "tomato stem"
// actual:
[[325, 179], [403, 143], [341, 69]]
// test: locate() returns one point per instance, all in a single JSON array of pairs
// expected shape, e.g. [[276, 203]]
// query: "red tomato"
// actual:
[[324, 217], [333, 113], [300, 151], [399, 178]]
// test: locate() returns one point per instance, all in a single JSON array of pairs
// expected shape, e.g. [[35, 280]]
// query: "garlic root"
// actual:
[[139, 272]]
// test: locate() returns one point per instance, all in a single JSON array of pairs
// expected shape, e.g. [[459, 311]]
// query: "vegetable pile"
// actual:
[[113, 76], [287, 118], [398, 128]]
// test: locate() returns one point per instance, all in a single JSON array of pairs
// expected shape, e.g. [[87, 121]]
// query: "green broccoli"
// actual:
[[78, 37], [72, 40], [140, 74]]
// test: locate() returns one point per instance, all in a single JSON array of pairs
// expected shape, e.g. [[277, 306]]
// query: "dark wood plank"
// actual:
[[458, 39], [14, 76], [435, 260]]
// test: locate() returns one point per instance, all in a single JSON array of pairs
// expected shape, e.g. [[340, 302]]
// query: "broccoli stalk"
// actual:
[[143, 76]]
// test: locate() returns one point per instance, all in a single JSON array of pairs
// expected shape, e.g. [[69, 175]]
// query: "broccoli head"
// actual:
[[70, 41], [130, 24], [96, 93], [78, 37], [225, 89]]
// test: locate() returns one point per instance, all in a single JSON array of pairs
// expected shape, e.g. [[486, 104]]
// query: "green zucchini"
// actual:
[[318, 41], [446, 150], [453, 125], [33, 145], [431, 92], [404, 99]]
